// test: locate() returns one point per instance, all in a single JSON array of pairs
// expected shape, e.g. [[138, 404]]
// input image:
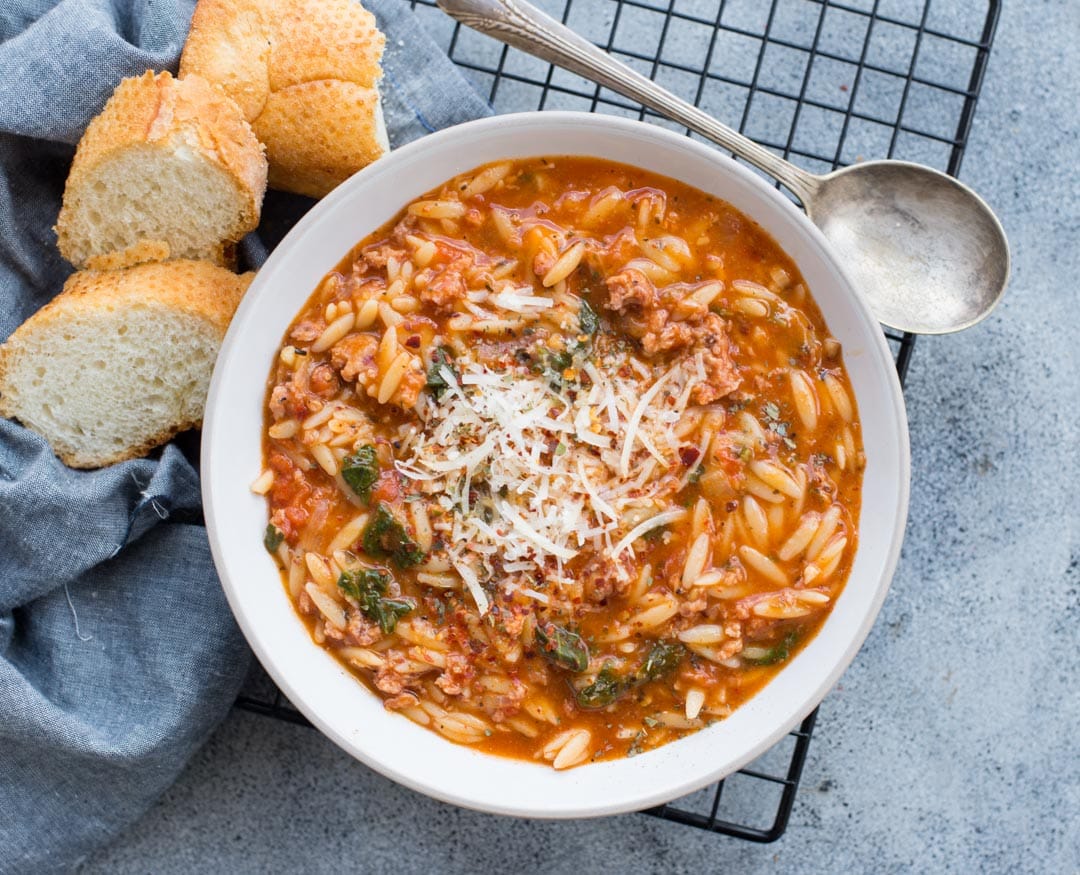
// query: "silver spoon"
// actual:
[[927, 252]]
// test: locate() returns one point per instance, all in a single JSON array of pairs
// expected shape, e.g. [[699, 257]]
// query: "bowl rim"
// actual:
[[216, 419]]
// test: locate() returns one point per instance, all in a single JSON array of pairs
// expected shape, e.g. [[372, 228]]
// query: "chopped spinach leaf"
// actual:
[[662, 660], [385, 535], [368, 586], [387, 612], [552, 365], [777, 653], [588, 320], [363, 582], [436, 381], [564, 648], [360, 470], [603, 691], [558, 362], [273, 538]]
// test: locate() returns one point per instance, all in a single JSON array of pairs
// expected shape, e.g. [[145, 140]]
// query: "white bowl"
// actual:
[[335, 701]]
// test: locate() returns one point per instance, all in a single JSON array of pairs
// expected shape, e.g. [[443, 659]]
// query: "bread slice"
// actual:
[[120, 361], [305, 73], [320, 133], [170, 168]]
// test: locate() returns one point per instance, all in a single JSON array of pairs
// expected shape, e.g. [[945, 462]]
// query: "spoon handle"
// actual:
[[522, 25]]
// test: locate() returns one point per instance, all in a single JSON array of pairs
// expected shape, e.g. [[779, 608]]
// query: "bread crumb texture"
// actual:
[[170, 168], [120, 361], [305, 74]]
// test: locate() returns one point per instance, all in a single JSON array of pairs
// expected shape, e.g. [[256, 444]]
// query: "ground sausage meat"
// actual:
[[715, 345], [649, 316], [354, 358], [393, 677], [630, 288], [292, 401], [445, 287], [307, 331], [359, 631], [324, 381], [378, 256], [664, 335], [456, 676], [445, 279]]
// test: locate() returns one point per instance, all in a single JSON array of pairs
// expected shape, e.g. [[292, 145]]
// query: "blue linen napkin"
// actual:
[[118, 654]]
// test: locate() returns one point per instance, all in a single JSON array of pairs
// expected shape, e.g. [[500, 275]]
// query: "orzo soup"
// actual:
[[562, 462]]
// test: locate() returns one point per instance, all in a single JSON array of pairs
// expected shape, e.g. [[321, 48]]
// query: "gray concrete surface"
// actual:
[[950, 745]]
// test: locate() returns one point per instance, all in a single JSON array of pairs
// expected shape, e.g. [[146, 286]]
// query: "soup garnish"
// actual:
[[562, 462]]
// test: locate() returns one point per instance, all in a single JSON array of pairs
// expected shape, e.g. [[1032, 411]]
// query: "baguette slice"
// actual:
[[120, 361], [320, 133], [305, 73], [170, 168]]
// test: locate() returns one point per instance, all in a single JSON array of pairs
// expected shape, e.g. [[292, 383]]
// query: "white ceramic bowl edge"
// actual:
[[334, 700]]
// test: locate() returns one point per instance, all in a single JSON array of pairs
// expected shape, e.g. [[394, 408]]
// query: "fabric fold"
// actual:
[[118, 653]]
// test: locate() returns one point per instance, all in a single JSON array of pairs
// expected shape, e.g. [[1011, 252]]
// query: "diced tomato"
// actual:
[[387, 488]]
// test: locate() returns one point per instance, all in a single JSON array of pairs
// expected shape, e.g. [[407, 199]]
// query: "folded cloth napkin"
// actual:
[[118, 654]]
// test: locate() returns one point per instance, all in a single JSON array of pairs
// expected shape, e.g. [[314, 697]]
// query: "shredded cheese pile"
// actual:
[[530, 474]]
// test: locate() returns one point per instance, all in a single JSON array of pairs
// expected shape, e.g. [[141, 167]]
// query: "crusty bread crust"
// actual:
[[223, 255], [318, 133], [228, 45], [158, 110], [196, 289], [139, 253], [271, 56], [324, 39]]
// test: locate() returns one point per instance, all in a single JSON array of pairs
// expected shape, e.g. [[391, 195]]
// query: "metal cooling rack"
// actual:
[[824, 83]]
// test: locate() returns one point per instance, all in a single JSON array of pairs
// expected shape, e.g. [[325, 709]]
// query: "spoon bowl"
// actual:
[[925, 250]]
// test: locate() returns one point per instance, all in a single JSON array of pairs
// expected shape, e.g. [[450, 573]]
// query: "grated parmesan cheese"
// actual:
[[531, 474]]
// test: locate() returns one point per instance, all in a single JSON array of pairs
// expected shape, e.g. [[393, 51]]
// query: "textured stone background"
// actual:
[[950, 743]]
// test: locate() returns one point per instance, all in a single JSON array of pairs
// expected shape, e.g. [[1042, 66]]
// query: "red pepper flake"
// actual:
[[689, 455], [413, 342]]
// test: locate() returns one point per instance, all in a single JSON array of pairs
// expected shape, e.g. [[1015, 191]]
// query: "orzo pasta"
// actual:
[[563, 462]]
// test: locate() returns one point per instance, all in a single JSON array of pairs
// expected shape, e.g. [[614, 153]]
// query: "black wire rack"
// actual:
[[822, 83]]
